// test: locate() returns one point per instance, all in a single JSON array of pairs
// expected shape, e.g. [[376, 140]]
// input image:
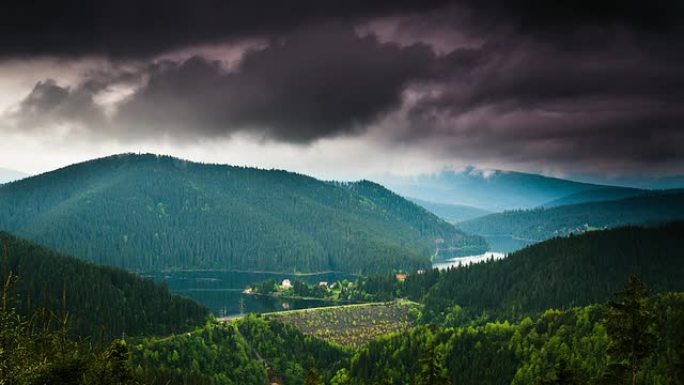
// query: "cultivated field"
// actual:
[[352, 325]]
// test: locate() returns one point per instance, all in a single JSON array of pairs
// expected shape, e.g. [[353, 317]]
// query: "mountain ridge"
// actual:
[[147, 212], [543, 223], [491, 190]]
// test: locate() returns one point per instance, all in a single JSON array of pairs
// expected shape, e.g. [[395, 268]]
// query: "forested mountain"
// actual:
[[101, 302], [449, 243], [149, 212], [558, 347], [574, 346], [450, 212], [543, 223], [492, 190], [562, 272], [237, 353]]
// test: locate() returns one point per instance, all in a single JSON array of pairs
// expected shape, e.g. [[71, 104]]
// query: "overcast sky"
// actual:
[[347, 89]]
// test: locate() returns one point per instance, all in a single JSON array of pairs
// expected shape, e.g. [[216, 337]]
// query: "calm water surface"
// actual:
[[221, 291], [500, 247]]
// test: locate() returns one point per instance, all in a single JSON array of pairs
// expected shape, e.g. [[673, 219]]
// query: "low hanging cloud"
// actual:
[[50, 104]]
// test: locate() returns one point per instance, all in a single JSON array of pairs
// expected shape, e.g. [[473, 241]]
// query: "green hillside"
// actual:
[[449, 243], [556, 347], [563, 272], [148, 212], [102, 302], [543, 223]]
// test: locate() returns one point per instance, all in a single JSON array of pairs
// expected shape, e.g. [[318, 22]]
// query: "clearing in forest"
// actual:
[[352, 325]]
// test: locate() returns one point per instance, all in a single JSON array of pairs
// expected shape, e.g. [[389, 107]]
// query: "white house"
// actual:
[[286, 284]]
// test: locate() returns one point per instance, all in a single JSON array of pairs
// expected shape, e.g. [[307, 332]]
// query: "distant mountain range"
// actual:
[[596, 195], [543, 223], [7, 175], [148, 212], [491, 190], [452, 213]]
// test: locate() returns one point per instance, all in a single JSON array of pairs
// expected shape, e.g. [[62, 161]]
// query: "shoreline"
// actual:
[[296, 274]]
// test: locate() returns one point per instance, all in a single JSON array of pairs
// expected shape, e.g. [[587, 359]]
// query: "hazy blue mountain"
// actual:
[[450, 212], [8, 175], [642, 182], [543, 223], [597, 195], [148, 212], [488, 190]]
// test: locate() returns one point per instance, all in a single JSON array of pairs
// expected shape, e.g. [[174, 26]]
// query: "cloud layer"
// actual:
[[569, 85]]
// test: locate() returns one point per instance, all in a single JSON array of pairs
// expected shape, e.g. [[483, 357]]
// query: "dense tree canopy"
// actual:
[[558, 347], [101, 302], [562, 272], [148, 212]]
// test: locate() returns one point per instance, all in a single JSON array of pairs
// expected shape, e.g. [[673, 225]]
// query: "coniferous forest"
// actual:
[[99, 302], [148, 212], [358, 192], [471, 325]]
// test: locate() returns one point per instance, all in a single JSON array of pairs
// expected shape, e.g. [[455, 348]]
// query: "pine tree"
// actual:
[[312, 378], [432, 371], [629, 324], [562, 375]]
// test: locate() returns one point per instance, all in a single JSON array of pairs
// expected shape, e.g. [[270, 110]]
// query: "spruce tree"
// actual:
[[432, 371], [312, 378], [629, 322]]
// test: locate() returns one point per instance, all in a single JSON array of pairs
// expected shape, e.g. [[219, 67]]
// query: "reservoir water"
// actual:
[[465, 261], [221, 291], [501, 246]]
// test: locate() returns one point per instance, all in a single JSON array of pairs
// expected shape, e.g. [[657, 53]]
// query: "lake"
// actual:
[[505, 244], [221, 291], [500, 246], [467, 260]]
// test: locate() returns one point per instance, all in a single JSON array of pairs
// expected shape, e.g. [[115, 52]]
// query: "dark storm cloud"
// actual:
[[49, 103], [596, 83], [315, 83], [133, 28], [526, 101]]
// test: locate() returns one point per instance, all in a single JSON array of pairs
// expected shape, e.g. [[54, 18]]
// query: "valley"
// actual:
[[354, 192], [358, 283]]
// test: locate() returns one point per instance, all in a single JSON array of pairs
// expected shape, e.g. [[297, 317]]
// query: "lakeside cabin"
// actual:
[[286, 284]]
